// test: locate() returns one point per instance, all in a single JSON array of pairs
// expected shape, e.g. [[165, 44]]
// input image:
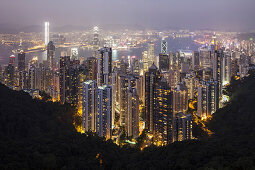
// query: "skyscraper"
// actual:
[[182, 127], [64, 79], [21, 61], [89, 106], [95, 41], [163, 115], [195, 61], [152, 78], [208, 98], [132, 112], [46, 33], [74, 53], [91, 65], [50, 54], [104, 66], [151, 55], [12, 60], [163, 46], [164, 64], [104, 111], [180, 99]]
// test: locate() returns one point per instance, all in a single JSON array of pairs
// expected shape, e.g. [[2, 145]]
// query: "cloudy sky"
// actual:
[[226, 14]]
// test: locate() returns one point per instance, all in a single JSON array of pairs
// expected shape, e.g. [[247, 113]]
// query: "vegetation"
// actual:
[[35, 134]]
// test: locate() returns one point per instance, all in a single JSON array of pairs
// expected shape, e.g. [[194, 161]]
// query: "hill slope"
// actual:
[[39, 135]]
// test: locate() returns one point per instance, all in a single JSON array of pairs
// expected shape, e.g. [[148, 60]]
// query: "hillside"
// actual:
[[40, 135]]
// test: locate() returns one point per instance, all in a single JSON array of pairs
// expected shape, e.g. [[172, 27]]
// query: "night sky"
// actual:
[[223, 14]]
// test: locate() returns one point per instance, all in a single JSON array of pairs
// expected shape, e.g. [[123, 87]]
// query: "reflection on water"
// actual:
[[173, 45]]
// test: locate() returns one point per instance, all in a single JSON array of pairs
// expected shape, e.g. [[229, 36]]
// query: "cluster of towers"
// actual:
[[129, 95]]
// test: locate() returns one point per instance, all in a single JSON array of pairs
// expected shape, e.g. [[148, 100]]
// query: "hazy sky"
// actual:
[[229, 14]]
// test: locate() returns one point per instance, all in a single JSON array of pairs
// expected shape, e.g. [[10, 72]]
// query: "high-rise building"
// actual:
[[104, 66], [163, 115], [164, 64], [9, 76], [23, 82], [145, 61], [151, 55], [132, 113], [226, 69], [74, 53], [12, 60], [208, 98], [104, 111], [182, 127], [195, 61], [205, 57], [50, 54], [91, 65], [163, 46], [33, 81], [180, 99], [89, 106], [64, 79], [96, 42], [74, 82], [46, 33], [152, 78], [21, 61]]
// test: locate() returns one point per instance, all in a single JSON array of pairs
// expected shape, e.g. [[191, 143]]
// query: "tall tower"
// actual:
[[208, 98], [104, 111], [21, 61], [50, 54], [64, 79], [151, 55], [89, 106], [152, 78], [164, 62], [163, 115], [95, 41], [12, 60], [46, 33], [104, 66], [163, 47]]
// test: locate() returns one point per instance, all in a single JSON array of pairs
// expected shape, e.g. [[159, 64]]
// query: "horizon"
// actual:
[[199, 14]]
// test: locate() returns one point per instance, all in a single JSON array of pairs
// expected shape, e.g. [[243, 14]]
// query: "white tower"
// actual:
[[46, 33]]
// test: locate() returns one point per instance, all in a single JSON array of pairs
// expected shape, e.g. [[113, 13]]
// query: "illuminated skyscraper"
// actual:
[[132, 113], [64, 79], [151, 55], [74, 53], [21, 61], [163, 115], [208, 98], [182, 127], [9, 76], [205, 57], [164, 64], [195, 61], [46, 33], [104, 111], [163, 47], [91, 65], [12, 60], [145, 61], [152, 78], [89, 106], [180, 99], [95, 41], [50, 54], [226, 69], [104, 66]]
